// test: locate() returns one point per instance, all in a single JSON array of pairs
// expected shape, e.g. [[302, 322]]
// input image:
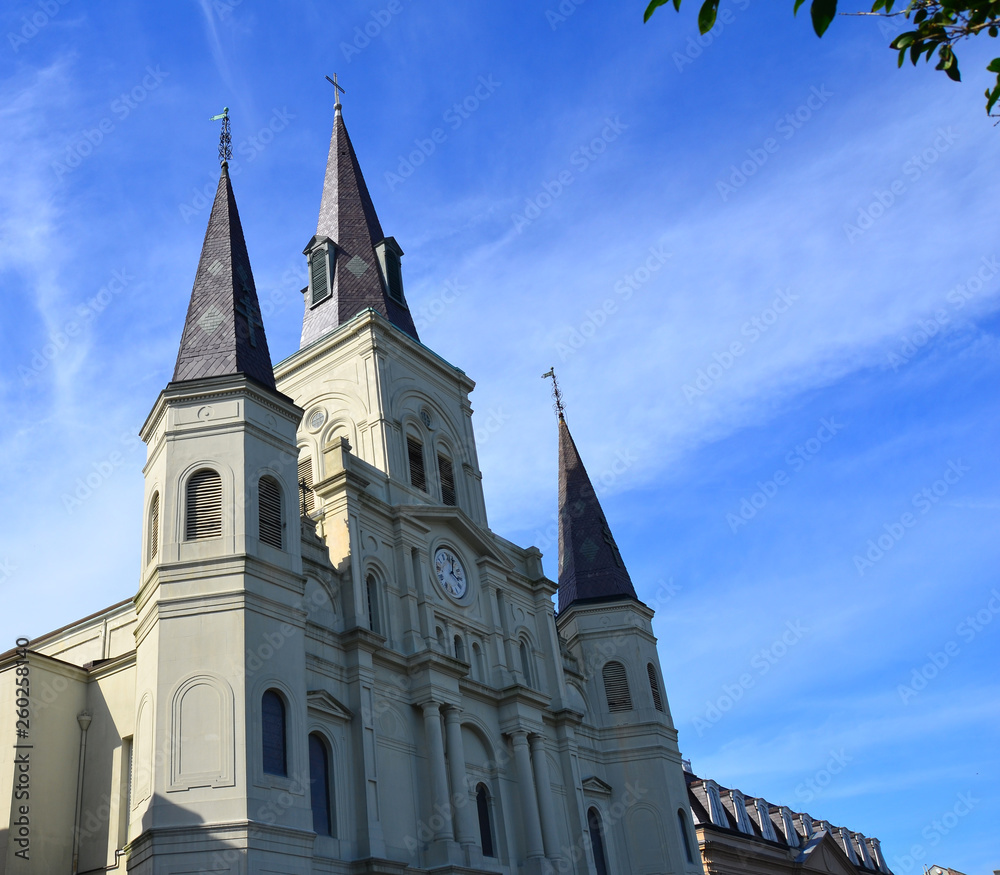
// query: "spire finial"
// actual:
[[225, 138], [556, 394], [337, 91]]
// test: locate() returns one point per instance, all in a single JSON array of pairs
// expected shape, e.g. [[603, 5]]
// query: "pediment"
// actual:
[[823, 854], [322, 702], [593, 784], [464, 528]]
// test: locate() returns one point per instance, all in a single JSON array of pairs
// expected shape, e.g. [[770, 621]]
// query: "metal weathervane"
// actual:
[[556, 394], [225, 137]]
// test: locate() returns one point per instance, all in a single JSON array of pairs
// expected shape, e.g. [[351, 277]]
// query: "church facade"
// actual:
[[331, 663]]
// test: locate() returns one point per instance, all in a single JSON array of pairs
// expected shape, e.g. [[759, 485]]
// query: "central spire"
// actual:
[[353, 266]]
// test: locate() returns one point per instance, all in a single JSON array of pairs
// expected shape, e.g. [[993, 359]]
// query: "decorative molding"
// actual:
[[321, 702]]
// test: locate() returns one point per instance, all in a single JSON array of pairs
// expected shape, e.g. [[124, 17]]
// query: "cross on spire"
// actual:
[[556, 394], [337, 90], [225, 137]]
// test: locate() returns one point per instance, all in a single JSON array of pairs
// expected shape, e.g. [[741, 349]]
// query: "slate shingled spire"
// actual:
[[347, 217], [590, 566], [223, 333]]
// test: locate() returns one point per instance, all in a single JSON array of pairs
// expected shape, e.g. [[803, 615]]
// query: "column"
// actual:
[[543, 785], [465, 829], [529, 799], [438, 773]]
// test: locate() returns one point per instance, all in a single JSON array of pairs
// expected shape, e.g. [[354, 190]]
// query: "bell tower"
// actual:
[[219, 636]]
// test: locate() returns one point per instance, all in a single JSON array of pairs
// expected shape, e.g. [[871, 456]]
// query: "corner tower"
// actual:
[[609, 634], [221, 576]]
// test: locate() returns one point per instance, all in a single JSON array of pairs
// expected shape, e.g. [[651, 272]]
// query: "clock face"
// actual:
[[450, 573]]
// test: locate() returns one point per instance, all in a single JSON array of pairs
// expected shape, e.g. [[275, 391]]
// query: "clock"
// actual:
[[450, 573]]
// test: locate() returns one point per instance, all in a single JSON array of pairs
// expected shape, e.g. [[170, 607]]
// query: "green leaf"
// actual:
[[823, 12], [706, 15], [992, 96], [798, 3], [994, 65], [656, 4]]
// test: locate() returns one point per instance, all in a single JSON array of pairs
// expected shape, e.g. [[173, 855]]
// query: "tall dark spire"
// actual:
[[223, 333], [590, 565], [347, 219]]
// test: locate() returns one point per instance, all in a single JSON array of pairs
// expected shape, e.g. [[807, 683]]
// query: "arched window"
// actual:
[[616, 687], [269, 511], [459, 648], [526, 663], [204, 505], [682, 822], [319, 786], [447, 473], [477, 663], [154, 525], [415, 455], [374, 619], [485, 821], [307, 498], [654, 686], [439, 632], [272, 714], [597, 841]]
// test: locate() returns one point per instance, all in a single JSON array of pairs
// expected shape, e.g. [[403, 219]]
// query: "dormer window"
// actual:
[[764, 818], [320, 273], [788, 828], [389, 255], [742, 818], [715, 810]]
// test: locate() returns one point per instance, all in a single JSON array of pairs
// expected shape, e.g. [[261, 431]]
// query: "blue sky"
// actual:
[[765, 269]]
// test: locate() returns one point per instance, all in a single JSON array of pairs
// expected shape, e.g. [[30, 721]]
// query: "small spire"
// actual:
[[591, 567], [225, 137], [556, 394]]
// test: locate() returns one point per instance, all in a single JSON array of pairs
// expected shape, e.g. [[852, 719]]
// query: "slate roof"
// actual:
[[590, 564], [862, 853], [347, 216], [223, 332]]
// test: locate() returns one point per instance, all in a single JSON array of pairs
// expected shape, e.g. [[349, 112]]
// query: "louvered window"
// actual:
[[394, 275], [306, 477], [204, 506], [269, 511], [154, 525], [319, 277], [447, 472], [616, 687], [415, 453], [654, 687], [319, 786], [272, 712]]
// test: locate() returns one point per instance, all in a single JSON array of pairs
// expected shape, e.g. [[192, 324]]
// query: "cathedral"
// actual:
[[331, 663]]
